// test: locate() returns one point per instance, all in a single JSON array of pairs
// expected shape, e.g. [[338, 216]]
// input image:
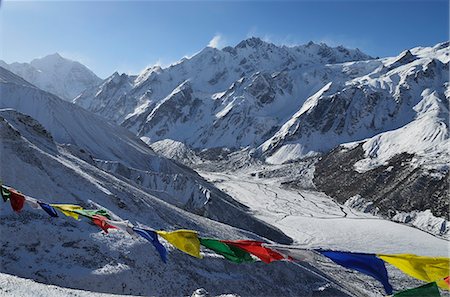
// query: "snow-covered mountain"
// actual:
[[117, 151], [282, 104], [234, 97], [55, 74], [289, 102]]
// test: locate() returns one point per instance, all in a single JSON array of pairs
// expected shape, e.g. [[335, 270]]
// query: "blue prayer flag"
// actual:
[[153, 238], [365, 263], [48, 209]]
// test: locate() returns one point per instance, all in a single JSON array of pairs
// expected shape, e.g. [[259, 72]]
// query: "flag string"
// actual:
[[432, 270]]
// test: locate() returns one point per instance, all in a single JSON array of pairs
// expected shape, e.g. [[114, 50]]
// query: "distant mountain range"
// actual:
[[286, 102]]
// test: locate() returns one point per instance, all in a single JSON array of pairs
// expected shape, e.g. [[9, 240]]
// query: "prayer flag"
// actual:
[[68, 209], [230, 252], [294, 253], [428, 290], [184, 240], [447, 281], [100, 221], [153, 238], [266, 255], [32, 202], [89, 213], [429, 269], [48, 209], [5, 193], [365, 263], [124, 226], [17, 200]]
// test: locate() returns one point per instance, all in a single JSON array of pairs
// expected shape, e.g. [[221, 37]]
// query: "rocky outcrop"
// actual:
[[394, 187]]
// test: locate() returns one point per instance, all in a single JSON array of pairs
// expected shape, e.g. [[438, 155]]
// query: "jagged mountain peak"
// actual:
[[252, 42]]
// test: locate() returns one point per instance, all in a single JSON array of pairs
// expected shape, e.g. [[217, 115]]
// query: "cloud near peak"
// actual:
[[217, 41]]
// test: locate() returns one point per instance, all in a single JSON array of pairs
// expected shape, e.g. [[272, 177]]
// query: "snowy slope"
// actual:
[[234, 97], [55, 74], [72, 254], [117, 151], [15, 286]]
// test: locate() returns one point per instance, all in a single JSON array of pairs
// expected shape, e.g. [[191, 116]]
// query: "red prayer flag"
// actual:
[[447, 280], [17, 200], [266, 254], [100, 221]]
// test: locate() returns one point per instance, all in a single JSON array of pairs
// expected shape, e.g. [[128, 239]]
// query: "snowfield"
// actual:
[[314, 220]]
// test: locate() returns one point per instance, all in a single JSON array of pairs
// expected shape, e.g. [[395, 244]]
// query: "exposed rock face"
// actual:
[[393, 187]]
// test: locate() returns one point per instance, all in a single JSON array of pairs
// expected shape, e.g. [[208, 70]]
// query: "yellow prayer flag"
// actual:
[[429, 269], [184, 240], [68, 209]]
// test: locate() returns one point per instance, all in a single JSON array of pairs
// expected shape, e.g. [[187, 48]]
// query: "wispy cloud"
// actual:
[[218, 41]]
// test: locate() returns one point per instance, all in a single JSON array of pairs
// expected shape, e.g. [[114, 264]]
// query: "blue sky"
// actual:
[[128, 36]]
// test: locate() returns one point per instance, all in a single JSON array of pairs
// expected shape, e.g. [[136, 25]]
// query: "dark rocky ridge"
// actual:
[[401, 188]]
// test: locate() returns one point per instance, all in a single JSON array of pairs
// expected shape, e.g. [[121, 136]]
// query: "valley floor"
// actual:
[[313, 219]]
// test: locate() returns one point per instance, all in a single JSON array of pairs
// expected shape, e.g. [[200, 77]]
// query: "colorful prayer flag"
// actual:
[[153, 238], [5, 193], [68, 209], [100, 221], [184, 240], [428, 290], [294, 253], [48, 209], [32, 202], [266, 255], [428, 269], [365, 263], [123, 225], [89, 213], [230, 252], [17, 200]]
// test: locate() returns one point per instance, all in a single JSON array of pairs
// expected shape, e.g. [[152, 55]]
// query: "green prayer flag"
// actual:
[[6, 194], [89, 213], [230, 252], [428, 290]]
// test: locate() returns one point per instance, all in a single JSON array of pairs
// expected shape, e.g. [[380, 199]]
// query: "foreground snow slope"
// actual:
[[55, 74], [117, 151], [64, 252], [15, 286]]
